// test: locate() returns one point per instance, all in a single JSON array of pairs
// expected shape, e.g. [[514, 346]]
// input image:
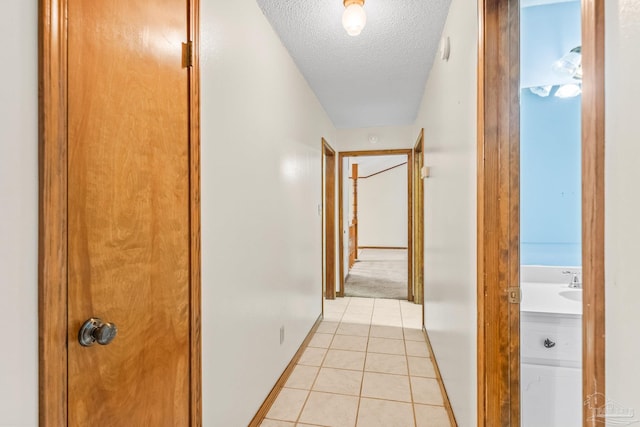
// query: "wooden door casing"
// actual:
[[119, 212], [498, 210], [418, 227], [498, 213]]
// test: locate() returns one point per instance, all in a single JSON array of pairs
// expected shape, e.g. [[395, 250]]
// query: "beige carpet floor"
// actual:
[[378, 273]]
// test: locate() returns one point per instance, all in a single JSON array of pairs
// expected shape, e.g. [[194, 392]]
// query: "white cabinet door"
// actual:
[[551, 396]]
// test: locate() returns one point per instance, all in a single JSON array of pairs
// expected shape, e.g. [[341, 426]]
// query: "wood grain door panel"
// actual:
[[128, 211]]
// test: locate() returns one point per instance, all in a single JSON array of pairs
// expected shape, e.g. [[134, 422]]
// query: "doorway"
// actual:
[[119, 261], [499, 212], [354, 225]]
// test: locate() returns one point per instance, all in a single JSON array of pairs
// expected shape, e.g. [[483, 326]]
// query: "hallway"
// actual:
[[367, 365]]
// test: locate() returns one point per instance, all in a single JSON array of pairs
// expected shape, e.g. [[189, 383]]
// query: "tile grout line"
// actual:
[[319, 368], [413, 404], [405, 318], [366, 351]]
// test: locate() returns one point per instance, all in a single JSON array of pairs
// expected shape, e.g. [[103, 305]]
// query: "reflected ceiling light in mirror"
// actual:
[[570, 65], [354, 17], [568, 91], [541, 91]]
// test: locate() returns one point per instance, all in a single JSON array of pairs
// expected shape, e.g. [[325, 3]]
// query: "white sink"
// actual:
[[555, 298], [573, 295]]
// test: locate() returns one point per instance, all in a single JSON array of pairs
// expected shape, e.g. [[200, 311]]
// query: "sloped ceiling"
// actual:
[[374, 79]]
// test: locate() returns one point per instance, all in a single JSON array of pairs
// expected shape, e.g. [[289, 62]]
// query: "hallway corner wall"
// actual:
[[19, 215], [261, 225], [449, 117]]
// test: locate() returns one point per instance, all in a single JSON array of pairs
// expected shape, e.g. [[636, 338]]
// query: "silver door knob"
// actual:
[[95, 330]]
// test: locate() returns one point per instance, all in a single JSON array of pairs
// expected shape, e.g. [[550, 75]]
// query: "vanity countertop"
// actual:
[[550, 298]]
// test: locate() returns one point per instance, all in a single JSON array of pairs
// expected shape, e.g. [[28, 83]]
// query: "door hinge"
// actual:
[[514, 295], [187, 54]]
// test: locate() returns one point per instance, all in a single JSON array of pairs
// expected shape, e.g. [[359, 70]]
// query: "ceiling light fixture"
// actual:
[[568, 91], [354, 17], [570, 64]]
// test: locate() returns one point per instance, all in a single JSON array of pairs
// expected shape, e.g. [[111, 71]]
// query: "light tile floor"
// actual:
[[366, 366]]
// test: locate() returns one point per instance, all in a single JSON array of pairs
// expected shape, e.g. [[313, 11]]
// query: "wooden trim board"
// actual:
[[52, 245], [593, 202], [340, 201], [195, 219], [275, 391], [410, 239], [418, 223]]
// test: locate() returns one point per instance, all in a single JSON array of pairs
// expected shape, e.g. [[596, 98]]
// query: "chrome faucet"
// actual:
[[575, 283]]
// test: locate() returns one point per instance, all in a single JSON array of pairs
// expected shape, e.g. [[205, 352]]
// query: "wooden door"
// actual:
[[329, 212], [128, 196]]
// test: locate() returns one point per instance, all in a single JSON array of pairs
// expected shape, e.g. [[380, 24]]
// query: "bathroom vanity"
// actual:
[[551, 354]]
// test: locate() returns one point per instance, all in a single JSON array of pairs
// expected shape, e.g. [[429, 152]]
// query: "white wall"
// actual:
[[448, 114], [347, 212], [382, 209], [261, 230], [388, 137], [622, 229], [19, 215]]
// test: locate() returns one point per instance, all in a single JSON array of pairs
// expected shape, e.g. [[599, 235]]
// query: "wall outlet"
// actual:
[[281, 334]]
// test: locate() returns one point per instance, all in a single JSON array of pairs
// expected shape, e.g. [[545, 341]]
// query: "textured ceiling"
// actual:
[[374, 79]]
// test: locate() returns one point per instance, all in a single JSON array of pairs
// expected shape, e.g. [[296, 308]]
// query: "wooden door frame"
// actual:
[[418, 227], [329, 220], [52, 244], [409, 154], [498, 209], [354, 177]]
